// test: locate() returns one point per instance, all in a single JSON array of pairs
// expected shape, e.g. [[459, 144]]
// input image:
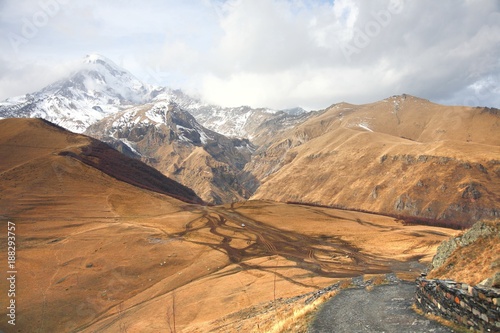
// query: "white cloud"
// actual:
[[357, 51], [275, 53], [21, 77]]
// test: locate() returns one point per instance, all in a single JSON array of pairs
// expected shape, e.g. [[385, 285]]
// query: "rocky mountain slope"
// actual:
[[52, 160], [244, 121], [240, 122], [402, 156], [172, 141], [132, 117]]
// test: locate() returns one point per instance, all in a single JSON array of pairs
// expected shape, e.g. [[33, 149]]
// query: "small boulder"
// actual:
[[485, 283], [495, 280]]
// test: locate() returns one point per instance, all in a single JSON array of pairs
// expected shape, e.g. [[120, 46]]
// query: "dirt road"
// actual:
[[384, 309]]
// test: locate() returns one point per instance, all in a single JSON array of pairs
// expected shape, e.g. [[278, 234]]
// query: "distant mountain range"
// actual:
[[155, 124], [100, 88], [403, 156]]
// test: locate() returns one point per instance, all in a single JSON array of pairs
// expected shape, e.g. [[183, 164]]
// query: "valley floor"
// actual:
[[120, 267]]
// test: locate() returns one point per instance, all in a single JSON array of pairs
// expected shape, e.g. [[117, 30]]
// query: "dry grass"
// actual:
[[441, 320], [294, 319], [471, 264], [377, 280]]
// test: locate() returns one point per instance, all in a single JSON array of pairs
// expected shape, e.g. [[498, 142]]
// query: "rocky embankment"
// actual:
[[473, 257], [463, 285]]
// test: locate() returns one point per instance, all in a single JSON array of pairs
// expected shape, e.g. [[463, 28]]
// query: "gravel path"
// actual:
[[386, 308]]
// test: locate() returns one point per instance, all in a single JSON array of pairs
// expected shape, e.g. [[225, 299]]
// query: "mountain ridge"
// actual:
[[96, 88], [432, 164], [99, 87], [28, 142]]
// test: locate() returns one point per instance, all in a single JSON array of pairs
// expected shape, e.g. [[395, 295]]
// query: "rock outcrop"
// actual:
[[478, 230], [473, 257]]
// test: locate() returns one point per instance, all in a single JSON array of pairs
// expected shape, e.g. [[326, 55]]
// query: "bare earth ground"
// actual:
[[386, 309]]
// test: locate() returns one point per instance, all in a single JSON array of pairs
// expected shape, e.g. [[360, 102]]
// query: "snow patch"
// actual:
[[364, 126], [130, 145], [204, 137], [158, 113]]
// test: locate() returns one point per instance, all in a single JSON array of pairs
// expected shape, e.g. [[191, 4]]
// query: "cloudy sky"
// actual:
[[274, 53]]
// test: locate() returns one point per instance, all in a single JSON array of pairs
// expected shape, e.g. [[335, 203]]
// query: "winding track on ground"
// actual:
[[318, 256], [306, 251]]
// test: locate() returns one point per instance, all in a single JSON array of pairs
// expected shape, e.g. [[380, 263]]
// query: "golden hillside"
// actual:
[[402, 156], [51, 159], [98, 253]]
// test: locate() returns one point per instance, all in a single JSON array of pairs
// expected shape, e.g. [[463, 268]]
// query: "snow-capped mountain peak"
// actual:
[[100, 79], [93, 58], [97, 88]]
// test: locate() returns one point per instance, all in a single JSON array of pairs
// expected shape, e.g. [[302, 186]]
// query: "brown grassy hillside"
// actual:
[[471, 257], [402, 156], [95, 253], [34, 150]]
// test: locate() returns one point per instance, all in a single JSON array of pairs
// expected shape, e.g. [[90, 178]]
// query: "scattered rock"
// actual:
[[446, 248], [471, 192], [466, 166], [358, 281], [423, 158], [486, 283], [481, 168], [495, 280], [399, 205]]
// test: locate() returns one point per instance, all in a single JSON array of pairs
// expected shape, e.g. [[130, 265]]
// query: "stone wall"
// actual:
[[476, 308]]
